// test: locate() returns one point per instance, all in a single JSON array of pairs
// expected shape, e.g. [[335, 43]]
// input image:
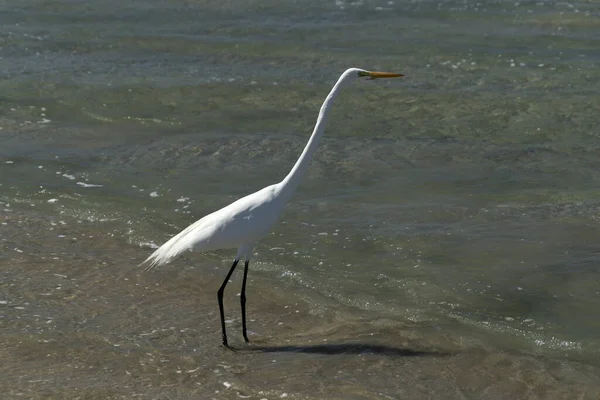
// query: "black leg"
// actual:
[[220, 298], [243, 301]]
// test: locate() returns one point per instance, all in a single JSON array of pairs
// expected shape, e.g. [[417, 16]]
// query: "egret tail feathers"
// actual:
[[155, 260], [168, 251], [185, 240]]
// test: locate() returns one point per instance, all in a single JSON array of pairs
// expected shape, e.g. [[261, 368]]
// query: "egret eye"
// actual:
[[363, 73]]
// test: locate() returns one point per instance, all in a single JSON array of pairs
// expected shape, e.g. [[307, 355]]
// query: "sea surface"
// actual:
[[445, 243]]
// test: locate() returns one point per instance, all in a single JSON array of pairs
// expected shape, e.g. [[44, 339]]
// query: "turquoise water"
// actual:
[[443, 243]]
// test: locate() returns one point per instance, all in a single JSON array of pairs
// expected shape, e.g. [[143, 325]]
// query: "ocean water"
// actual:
[[444, 243]]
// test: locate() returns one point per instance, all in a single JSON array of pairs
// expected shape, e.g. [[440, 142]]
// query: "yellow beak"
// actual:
[[377, 75]]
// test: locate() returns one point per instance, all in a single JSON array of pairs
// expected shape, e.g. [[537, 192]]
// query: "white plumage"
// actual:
[[242, 223]]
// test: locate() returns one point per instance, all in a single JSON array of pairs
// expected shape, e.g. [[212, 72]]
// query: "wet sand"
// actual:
[[79, 319], [448, 241]]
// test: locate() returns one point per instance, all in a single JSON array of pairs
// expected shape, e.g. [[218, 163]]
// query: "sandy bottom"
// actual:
[[79, 319]]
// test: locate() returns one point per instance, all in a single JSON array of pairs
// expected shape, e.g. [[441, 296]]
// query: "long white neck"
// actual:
[[293, 178]]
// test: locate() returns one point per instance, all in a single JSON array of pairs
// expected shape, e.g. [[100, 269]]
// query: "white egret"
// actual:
[[242, 223]]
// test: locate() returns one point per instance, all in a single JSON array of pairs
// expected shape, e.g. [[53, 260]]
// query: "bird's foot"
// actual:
[[228, 347]]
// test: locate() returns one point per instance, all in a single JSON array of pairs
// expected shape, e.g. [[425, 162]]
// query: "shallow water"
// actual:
[[443, 243]]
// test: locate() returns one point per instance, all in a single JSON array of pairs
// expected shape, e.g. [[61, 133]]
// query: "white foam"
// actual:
[[88, 185], [149, 244]]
